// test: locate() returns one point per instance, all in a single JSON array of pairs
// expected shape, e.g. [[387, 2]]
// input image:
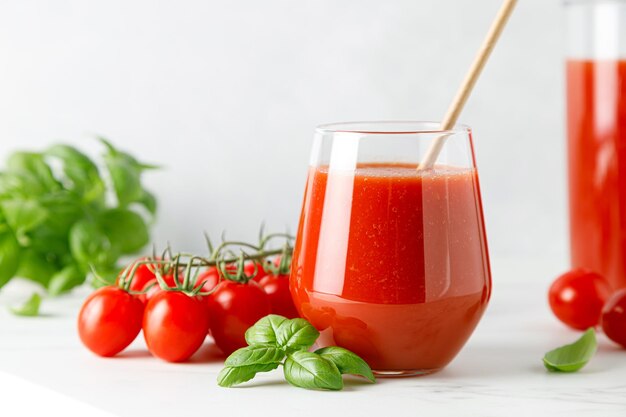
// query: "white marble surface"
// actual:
[[498, 373]]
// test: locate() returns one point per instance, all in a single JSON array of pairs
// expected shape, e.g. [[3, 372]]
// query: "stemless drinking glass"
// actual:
[[391, 262], [596, 125]]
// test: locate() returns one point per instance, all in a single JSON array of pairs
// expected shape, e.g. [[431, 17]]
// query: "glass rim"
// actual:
[[385, 127]]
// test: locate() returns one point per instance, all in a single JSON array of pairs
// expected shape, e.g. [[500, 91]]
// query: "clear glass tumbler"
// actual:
[[596, 125], [391, 262]]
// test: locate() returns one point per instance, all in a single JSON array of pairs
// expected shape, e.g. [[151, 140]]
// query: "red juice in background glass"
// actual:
[[389, 262], [596, 126]]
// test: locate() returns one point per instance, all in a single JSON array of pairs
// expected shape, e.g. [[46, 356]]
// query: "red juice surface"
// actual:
[[391, 263], [596, 114]]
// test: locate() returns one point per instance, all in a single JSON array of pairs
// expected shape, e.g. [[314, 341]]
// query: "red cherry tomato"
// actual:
[[143, 275], [210, 277], [152, 287], [175, 325], [260, 271], [109, 320], [577, 297], [234, 308], [614, 318], [277, 289]]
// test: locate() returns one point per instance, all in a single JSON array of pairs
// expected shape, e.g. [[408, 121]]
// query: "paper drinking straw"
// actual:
[[468, 83]]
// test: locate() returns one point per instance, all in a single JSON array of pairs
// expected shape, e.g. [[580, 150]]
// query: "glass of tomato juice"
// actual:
[[596, 126], [391, 262]]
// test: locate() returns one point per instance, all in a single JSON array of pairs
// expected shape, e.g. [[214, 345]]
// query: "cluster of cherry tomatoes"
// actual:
[[583, 299], [178, 306]]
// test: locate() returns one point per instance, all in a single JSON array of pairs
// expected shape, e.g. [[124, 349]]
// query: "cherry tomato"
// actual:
[[175, 325], [277, 289], [248, 269], [143, 275], [614, 317], [152, 287], [109, 320], [260, 271], [577, 297], [210, 277], [235, 307]]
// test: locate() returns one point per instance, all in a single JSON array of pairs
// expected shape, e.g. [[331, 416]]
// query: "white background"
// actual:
[[226, 94]]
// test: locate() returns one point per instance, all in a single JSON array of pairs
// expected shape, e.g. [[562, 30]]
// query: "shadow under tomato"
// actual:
[[208, 353], [134, 354]]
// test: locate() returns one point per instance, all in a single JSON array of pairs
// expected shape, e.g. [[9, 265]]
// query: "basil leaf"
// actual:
[[35, 267], [64, 209], [90, 246], [33, 170], [125, 229], [264, 331], [243, 364], [51, 242], [30, 308], [81, 172], [296, 334], [311, 371], [290, 335], [125, 172], [125, 178], [23, 216], [69, 277], [9, 255], [571, 358], [346, 361], [148, 200]]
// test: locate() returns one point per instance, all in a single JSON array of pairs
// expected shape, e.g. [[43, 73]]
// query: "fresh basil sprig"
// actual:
[[59, 222], [275, 340], [572, 357]]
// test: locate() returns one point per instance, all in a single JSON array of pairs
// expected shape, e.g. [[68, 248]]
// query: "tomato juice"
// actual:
[[392, 263], [596, 110]]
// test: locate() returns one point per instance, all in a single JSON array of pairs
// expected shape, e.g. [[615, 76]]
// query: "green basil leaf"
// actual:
[[571, 358], [126, 180], [125, 172], [148, 200], [290, 335], [91, 246], [23, 216], [36, 267], [9, 255], [296, 334], [243, 364], [30, 308], [51, 242], [311, 371], [346, 361], [125, 229], [264, 331], [34, 170], [81, 172], [65, 209], [66, 279], [17, 185]]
